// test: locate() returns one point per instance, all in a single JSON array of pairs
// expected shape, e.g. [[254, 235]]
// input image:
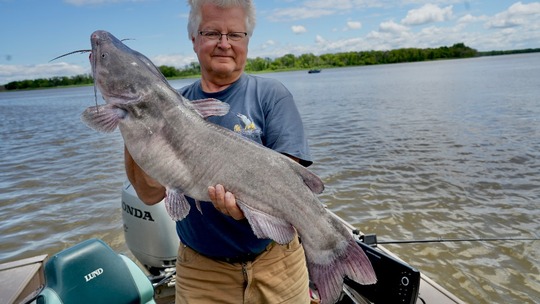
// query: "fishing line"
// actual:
[[371, 239], [442, 240]]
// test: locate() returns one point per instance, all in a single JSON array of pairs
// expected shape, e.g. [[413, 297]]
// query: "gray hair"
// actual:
[[195, 14]]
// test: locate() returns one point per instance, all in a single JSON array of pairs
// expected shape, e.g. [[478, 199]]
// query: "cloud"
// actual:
[[96, 2], [175, 60], [392, 27], [268, 43], [298, 29], [319, 39], [354, 25], [345, 5], [319, 8], [9, 73], [427, 14], [517, 14], [470, 19], [298, 13]]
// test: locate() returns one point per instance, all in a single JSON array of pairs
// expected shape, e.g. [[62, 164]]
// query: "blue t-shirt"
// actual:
[[263, 110]]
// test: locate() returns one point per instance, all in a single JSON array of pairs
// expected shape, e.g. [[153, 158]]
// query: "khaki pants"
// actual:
[[278, 275]]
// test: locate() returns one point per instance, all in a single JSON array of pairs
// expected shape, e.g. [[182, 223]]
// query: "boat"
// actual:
[[314, 71], [91, 272]]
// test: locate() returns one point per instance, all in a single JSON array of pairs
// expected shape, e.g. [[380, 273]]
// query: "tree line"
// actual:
[[49, 82], [292, 62]]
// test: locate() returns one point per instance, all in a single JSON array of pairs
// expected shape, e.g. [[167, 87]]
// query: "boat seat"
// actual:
[[91, 272]]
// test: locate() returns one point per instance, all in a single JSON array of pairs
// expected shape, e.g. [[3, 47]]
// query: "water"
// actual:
[[408, 151]]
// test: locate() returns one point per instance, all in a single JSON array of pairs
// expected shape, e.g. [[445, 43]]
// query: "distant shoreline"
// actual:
[[289, 62]]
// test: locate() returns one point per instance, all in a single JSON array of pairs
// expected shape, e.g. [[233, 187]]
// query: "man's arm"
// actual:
[[148, 189]]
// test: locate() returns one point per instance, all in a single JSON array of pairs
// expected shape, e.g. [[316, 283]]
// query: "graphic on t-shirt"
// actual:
[[249, 128]]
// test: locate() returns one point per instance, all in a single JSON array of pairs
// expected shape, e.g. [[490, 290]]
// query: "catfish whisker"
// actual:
[[70, 53]]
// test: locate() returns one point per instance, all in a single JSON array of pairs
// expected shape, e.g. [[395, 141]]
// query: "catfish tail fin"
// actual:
[[352, 263]]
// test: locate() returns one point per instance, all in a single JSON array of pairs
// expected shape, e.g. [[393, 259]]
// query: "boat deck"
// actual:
[[20, 279]]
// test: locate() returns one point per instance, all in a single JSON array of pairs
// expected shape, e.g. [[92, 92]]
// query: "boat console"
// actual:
[[397, 281], [91, 272]]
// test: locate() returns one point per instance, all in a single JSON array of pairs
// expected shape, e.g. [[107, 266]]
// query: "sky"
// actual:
[[32, 32]]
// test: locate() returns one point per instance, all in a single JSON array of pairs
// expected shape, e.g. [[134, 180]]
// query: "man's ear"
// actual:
[[193, 42]]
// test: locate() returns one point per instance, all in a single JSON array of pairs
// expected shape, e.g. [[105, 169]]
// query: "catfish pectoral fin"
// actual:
[[210, 107], [176, 204], [104, 118], [267, 226]]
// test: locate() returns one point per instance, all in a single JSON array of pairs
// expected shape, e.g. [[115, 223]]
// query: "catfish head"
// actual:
[[121, 74]]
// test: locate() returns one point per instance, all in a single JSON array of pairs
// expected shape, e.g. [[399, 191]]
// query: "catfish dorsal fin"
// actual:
[[314, 183], [210, 107]]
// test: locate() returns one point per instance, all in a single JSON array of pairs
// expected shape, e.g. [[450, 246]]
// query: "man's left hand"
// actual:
[[225, 202]]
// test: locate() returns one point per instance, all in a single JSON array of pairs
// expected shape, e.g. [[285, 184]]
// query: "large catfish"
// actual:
[[169, 138]]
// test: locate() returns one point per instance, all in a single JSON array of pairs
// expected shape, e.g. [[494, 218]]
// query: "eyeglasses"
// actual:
[[215, 35]]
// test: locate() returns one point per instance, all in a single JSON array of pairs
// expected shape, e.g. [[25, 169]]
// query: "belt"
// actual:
[[244, 258], [250, 257]]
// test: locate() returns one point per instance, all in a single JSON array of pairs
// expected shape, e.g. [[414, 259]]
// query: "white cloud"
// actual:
[[298, 29], [427, 14], [516, 15], [298, 13], [319, 39], [268, 43], [318, 8], [9, 73], [96, 2], [519, 8], [346, 5], [354, 25], [176, 60], [469, 19], [325, 4], [392, 27]]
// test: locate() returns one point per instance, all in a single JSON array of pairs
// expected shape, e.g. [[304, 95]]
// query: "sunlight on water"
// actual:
[[408, 151]]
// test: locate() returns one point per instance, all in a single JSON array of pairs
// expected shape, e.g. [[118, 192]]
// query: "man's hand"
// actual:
[[225, 202]]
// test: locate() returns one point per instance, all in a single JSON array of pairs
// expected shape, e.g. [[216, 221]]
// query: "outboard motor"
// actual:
[[151, 236]]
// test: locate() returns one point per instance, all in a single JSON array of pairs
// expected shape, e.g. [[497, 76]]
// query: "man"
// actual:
[[220, 260]]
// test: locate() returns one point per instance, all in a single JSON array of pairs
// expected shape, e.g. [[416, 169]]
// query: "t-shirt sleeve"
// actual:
[[284, 130]]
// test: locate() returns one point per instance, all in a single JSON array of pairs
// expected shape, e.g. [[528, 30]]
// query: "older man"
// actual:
[[220, 260]]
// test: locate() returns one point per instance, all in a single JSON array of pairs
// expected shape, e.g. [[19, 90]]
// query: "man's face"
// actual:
[[221, 59]]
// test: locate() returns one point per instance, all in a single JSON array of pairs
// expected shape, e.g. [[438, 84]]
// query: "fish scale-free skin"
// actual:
[[170, 140]]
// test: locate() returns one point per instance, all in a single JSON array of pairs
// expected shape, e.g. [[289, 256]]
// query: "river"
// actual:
[[415, 151]]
